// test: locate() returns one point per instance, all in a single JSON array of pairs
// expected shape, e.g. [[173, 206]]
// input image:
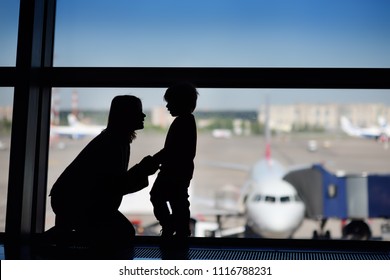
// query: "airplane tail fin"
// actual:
[[268, 152], [267, 132], [382, 122], [348, 128]]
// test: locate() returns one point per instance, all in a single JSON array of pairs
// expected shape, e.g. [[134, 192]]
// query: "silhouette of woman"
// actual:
[[87, 195]]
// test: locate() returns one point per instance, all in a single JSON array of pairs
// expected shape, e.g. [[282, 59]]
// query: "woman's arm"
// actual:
[[136, 178]]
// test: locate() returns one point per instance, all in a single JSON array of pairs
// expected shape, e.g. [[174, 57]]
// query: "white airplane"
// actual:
[[273, 207], [270, 205], [76, 129], [380, 133]]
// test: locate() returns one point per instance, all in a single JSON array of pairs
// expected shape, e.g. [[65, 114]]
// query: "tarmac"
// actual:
[[337, 153]]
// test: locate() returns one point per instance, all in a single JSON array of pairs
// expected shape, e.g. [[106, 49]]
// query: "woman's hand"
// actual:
[[149, 165]]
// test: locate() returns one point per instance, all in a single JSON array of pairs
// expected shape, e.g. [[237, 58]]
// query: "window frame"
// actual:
[[34, 76]]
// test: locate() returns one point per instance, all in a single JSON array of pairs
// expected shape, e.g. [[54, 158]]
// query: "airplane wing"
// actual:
[[202, 208], [137, 203], [213, 207], [227, 165]]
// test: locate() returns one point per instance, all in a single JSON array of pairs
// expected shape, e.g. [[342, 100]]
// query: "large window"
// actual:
[[305, 130], [220, 33]]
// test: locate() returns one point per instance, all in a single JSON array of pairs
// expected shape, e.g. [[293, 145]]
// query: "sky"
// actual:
[[245, 33], [216, 33]]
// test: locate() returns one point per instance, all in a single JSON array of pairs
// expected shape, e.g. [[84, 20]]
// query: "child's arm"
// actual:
[[136, 178]]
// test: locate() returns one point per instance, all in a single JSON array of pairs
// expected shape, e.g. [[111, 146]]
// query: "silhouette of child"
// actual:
[[177, 163], [87, 195]]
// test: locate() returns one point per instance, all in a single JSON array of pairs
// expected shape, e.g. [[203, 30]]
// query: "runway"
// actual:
[[337, 153]]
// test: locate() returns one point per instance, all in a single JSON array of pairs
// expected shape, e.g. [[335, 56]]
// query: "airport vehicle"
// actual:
[[222, 133], [379, 133], [352, 198], [312, 146], [75, 129]]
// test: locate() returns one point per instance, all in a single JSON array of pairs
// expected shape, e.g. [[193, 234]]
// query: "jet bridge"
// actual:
[[354, 197]]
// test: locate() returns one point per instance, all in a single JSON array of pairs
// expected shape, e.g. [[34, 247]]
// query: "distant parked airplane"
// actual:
[[379, 133], [76, 129]]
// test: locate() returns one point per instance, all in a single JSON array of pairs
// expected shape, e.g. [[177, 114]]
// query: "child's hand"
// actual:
[[159, 155]]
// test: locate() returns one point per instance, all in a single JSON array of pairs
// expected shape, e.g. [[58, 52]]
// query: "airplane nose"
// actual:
[[276, 221]]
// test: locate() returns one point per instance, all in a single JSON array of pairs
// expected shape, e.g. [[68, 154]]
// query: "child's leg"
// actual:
[[160, 208], [181, 212], [161, 211]]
